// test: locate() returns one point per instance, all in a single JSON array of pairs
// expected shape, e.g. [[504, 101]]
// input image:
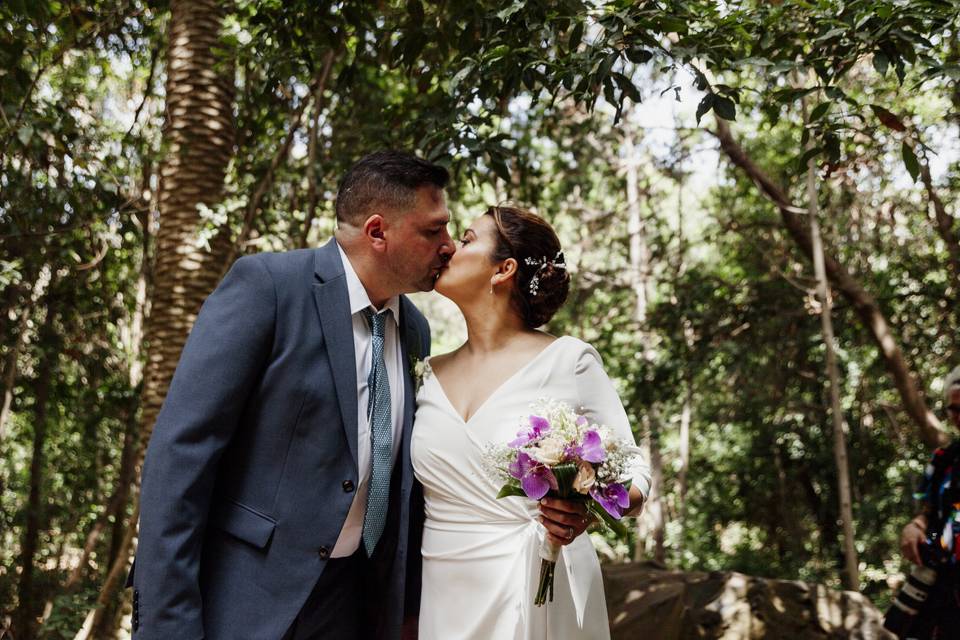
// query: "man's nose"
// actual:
[[448, 248]]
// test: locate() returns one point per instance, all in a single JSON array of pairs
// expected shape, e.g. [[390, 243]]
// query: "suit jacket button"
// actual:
[[324, 553], [347, 486]]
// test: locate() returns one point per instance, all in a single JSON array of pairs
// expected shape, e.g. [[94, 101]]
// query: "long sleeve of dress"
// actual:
[[600, 402]]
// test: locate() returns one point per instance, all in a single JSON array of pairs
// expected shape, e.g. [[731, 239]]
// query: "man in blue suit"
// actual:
[[278, 497]]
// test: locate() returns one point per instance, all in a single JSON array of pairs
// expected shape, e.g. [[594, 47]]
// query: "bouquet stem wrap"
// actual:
[[549, 553]]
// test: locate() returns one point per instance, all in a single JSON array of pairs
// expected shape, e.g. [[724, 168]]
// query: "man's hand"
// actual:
[[564, 520], [912, 536]]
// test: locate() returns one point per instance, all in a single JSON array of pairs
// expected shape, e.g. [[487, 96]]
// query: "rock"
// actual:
[[645, 600]]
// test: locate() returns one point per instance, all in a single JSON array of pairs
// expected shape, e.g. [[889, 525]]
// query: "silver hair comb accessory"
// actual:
[[556, 263]]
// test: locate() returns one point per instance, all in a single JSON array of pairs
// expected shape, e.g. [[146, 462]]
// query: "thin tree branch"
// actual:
[[147, 89], [311, 208], [253, 206], [863, 302]]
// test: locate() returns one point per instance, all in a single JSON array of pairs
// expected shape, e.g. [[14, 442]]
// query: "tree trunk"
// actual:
[[851, 573], [113, 509], [862, 301], [653, 521], [686, 412], [945, 227], [27, 612], [640, 272], [199, 137], [124, 478]]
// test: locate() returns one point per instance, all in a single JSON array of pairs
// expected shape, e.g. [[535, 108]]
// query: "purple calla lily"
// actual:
[[537, 427], [535, 479], [613, 498]]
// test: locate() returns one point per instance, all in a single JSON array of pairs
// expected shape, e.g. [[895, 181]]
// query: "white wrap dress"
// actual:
[[480, 554]]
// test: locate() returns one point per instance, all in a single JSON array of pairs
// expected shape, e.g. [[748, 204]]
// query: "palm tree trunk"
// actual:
[[199, 138]]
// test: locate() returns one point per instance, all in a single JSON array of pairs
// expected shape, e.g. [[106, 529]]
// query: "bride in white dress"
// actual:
[[480, 554]]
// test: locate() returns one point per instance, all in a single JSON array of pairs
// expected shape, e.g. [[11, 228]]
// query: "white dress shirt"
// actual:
[[349, 540]]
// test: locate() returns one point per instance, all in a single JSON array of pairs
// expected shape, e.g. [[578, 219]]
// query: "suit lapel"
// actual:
[[410, 351], [333, 306]]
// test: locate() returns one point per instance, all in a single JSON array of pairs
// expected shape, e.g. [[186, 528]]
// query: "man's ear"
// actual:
[[373, 229], [505, 270]]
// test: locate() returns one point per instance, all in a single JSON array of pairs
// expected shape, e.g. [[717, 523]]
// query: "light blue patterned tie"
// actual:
[[381, 436]]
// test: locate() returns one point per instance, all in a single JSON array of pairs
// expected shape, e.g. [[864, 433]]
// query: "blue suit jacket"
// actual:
[[252, 464]]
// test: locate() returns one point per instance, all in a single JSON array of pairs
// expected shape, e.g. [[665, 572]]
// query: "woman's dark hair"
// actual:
[[542, 282]]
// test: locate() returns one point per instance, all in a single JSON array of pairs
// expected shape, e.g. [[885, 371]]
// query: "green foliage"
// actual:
[[540, 102]]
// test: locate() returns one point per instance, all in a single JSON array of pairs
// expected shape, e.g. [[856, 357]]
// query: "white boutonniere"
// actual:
[[418, 371]]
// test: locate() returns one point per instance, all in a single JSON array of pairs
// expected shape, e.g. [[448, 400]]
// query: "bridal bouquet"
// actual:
[[559, 453]]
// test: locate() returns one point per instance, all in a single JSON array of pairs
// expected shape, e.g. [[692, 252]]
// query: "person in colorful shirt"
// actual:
[[932, 538]]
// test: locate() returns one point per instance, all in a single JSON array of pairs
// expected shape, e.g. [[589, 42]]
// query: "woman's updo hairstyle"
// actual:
[[542, 283]]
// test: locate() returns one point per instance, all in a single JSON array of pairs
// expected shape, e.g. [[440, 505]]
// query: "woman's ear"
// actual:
[[505, 270]]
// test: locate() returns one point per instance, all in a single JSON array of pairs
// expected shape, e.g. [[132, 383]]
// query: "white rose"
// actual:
[[549, 450], [586, 478]]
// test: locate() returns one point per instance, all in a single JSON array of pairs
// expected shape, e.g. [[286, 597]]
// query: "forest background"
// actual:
[[756, 201]]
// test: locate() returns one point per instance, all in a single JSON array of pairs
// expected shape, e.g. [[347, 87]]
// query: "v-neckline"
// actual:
[[482, 405]]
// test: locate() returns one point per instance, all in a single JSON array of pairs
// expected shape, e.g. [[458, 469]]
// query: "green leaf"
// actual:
[[910, 160], [608, 91], [618, 528], [510, 490], [627, 88], [807, 155], [832, 145], [604, 69], [819, 111], [500, 168], [701, 81], [24, 133], [888, 119], [504, 14], [833, 33], [459, 76], [900, 69], [496, 53], [835, 93], [670, 23], [565, 474], [704, 107], [725, 108], [881, 62], [638, 55], [576, 36]]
